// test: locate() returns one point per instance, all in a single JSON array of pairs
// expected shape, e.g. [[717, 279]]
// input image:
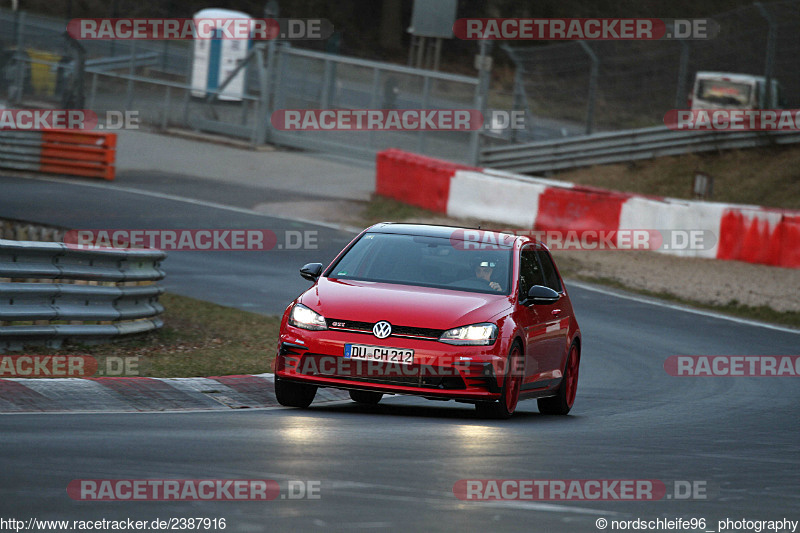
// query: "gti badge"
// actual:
[[382, 329]]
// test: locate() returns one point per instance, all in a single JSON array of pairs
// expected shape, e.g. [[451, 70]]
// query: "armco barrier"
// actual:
[[746, 233], [105, 299], [85, 154]]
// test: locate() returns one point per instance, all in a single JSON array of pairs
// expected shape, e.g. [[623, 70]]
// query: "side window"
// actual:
[[530, 273], [549, 270]]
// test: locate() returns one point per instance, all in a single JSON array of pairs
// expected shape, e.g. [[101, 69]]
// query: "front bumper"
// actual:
[[439, 370]]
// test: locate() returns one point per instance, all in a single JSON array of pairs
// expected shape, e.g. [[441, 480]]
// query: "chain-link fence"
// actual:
[[637, 82], [154, 79]]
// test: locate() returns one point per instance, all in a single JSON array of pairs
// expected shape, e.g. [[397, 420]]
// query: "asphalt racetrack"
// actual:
[[393, 467]]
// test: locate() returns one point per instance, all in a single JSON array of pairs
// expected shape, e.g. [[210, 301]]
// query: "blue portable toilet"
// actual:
[[216, 58]]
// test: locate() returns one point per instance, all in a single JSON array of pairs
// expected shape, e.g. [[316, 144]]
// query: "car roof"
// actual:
[[432, 230], [732, 76]]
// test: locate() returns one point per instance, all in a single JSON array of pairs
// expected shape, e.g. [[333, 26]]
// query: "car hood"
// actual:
[[402, 305]]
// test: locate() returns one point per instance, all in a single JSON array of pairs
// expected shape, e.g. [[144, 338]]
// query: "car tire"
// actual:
[[292, 394], [507, 404], [366, 397], [562, 402]]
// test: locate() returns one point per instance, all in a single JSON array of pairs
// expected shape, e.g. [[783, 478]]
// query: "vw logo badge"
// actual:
[[382, 329]]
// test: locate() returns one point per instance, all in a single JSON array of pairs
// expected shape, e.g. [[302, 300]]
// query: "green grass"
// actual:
[[383, 209], [761, 176], [198, 339]]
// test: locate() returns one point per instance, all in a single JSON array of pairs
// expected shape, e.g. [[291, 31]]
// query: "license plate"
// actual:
[[384, 354]]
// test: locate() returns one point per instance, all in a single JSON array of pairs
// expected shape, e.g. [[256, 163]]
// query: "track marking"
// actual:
[[193, 201], [654, 301]]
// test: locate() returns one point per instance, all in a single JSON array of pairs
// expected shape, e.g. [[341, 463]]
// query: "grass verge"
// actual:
[[198, 339]]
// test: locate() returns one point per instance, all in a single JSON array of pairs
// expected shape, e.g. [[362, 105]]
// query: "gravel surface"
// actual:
[[702, 280]]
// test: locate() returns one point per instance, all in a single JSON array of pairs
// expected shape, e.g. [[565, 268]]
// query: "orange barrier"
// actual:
[[85, 154], [76, 153]]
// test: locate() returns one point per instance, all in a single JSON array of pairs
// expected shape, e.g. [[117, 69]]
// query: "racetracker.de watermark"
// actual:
[[733, 365], [192, 239], [578, 489], [584, 29], [589, 240], [377, 120], [66, 366], [66, 119], [158, 29], [733, 119], [192, 489]]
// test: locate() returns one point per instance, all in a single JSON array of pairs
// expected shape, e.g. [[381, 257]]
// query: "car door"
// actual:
[[537, 362], [554, 318]]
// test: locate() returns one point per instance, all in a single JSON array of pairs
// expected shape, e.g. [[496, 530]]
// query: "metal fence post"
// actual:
[[260, 115], [131, 73], [592, 86], [683, 68], [265, 79], [481, 95], [327, 85], [373, 100], [19, 54], [426, 90], [769, 61]]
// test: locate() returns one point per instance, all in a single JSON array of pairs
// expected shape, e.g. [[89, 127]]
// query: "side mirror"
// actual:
[[311, 271], [540, 295]]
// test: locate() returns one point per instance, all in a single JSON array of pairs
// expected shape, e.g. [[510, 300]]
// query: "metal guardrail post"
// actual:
[[592, 86]]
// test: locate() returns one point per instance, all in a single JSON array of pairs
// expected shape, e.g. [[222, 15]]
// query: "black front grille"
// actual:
[[397, 331], [446, 383], [446, 378]]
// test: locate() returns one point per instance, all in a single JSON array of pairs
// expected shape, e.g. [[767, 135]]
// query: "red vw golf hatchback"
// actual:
[[440, 312]]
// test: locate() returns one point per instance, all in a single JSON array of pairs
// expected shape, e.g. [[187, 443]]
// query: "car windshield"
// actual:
[[426, 261], [724, 92]]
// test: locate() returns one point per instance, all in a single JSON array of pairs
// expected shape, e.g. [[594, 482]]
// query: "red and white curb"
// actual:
[[138, 394], [742, 232]]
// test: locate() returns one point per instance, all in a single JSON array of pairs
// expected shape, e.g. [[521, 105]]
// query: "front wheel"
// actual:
[[562, 402], [292, 394], [505, 407]]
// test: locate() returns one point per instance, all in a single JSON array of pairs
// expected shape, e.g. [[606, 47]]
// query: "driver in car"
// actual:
[[483, 271]]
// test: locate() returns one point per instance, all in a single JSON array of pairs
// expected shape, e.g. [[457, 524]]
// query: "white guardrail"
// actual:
[[106, 297], [620, 147]]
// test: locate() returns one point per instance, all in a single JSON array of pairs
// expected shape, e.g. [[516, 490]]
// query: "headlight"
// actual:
[[476, 334], [304, 318]]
